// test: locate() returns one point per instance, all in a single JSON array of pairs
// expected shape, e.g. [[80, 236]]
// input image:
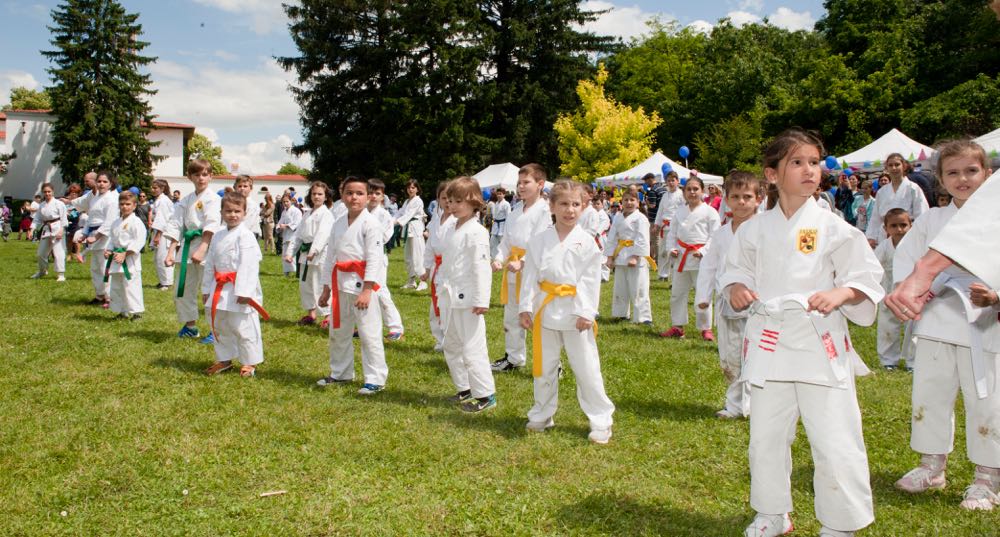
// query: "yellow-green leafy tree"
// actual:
[[602, 136]]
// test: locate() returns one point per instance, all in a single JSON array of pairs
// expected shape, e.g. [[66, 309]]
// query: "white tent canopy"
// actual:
[[653, 165], [991, 143], [498, 175], [894, 141]]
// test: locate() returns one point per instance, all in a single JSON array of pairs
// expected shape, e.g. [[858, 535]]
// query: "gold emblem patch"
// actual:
[[807, 240], [198, 205]]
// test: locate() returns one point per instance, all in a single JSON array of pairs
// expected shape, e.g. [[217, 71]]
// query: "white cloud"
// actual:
[[261, 16], [263, 158], [785, 18], [13, 79], [742, 18], [701, 26], [621, 21], [225, 55], [755, 6]]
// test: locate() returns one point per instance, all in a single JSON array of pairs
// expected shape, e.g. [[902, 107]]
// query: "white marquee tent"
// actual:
[[991, 143], [870, 157], [653, 165], [500, 175]]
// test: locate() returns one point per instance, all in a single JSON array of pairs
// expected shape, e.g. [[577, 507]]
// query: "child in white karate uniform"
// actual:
[[529, 217], [288, 224], [123, 266], [195, 219], [626, 249], [251, 220], [161, 212], [102, 210], [900, 192], [410, 218], [559, 303], [307, 250], [499, 211], [690, 231], [231, 291], [464, 297], [390, 313], [440, 226], [743, 194], [890, 330], [803, 272], [670, 202], [958, 346], [354, 265], [51, 218]]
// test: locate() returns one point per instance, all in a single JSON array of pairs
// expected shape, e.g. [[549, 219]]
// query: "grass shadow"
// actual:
[[184, 366], [613, 514], [95, 317], [69, 301], [509, 427], [152, 336], [292, 378], [671, 410]]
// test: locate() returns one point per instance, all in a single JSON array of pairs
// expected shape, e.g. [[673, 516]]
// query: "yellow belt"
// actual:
[[516, 254], [551, 290], [625, 244]]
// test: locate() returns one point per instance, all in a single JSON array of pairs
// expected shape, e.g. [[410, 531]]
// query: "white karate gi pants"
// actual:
[[832, 421], [97, 262], [435, 323], [187, 305], [631, 294], [287, 267], [164, 274], [369, 324], [680, 289], [58, 250], [581, 351], [513, 334], [126, 295], [465, 350], [941, 369], [311, 288], [495, 244], [238, 337], [889, 332], [730, 340], [664, 263], [413, 252]]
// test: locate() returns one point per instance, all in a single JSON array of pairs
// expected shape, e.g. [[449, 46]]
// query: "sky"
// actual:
[[216, 68]]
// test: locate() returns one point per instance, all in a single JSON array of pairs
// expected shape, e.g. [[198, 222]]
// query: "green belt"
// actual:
[[107, 266], [189, 235], [406, 228], [298, 265]]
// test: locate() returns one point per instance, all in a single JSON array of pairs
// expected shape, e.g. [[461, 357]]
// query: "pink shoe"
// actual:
[[707, 335], [674, 332], [922, 478]]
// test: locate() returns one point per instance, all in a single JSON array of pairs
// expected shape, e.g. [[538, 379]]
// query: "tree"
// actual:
[[968, 109], [733, 143], [22, 98], [98, 96], [291, 169], [602, 136], [201, 147]]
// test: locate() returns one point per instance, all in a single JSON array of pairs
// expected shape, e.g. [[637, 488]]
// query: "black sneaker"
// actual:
[[460, 397], [478, 405], [503, 364]]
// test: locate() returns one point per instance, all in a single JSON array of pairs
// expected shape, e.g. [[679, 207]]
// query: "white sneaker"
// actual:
[[922, 478], [540, 426], [600, 436], [438, 347], [769, 526], [979, 497], [408, 285], [421, 286], [61, 278], [726, 414]]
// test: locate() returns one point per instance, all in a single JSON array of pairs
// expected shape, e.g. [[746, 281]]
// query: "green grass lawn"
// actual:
[[109, 428]]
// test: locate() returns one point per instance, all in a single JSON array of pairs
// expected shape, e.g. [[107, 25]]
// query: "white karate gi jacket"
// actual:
[[360, 240], [195, 211], [522, 225], [634, 227], [411, 215], [692, 227], [465, 274], [48, 211], [970, 239], [576, 261], [908, 196], [314, 228], [713, 264], [500, 212], [233, 250], [128, 233], [102, 211], [162, 210], [291, 217]]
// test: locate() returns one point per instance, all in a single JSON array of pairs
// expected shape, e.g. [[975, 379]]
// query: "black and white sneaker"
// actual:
[[503, 364]]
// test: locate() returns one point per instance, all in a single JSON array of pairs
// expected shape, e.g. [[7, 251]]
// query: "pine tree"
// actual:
[[99, 95]]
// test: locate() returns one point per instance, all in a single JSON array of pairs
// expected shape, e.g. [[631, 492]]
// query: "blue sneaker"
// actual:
[[187, 331], [207, 340], [394, 336], [370, 389], [479, 405]]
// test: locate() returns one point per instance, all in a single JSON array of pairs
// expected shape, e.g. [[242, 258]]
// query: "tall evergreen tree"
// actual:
[[99, 95]]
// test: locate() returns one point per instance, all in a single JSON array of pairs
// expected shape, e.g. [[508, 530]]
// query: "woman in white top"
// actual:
[[411, 220], [900, 192], [290, 219], [102, 210], [51, 219]]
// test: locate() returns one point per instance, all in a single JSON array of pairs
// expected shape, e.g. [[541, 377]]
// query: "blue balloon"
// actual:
[[848, 172], [593, 185], [134, 190], [831, 163], [666, 168], [684, 181], [118, 188], [684, 151], [222, 192], [300, 199], [487, 194]]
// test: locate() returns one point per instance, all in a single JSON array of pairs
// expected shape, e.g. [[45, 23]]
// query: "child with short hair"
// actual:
[[244, 185], [464, 297], [528, 218], [160, 213], [690, 231], [958, 345], [196, 217], [307, 250], [390, 313], [743, 195], [499, 210], [102, 210], [354, 263], [803, 271], [559, 303], [410, 218], [231, 291], [288, 224], [896, 222], [626, 249], [671, 200], [51, 219], [438, 229], [124, 266]]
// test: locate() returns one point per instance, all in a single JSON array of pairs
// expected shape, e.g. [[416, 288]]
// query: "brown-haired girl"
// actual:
[[162, 211], [900, 192], [411, 220], [51, 219], [307, 250]]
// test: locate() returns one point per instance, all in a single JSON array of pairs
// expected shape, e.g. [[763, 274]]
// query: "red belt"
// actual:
[[688, 248], [434, 296], [666, 224], [358, 267], [221, 279]]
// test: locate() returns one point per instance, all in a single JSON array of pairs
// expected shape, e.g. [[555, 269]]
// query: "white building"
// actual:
[[27, 133]]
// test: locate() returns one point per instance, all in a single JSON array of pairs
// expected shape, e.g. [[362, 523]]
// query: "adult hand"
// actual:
[[908, 299]]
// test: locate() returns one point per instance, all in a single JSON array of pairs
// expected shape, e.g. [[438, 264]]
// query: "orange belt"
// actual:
[[688, 248], [666, 224], [434, 295], [358, 267], [516, 254], [551, 290], [221, 279]]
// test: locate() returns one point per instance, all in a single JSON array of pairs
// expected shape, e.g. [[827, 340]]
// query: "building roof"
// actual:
[[275, 178], [155, 124]]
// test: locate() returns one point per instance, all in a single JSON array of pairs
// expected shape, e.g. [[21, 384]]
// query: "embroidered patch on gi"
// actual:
[[807, 240], [124, 227], [768, 340], [198, 205], [829, 346]]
